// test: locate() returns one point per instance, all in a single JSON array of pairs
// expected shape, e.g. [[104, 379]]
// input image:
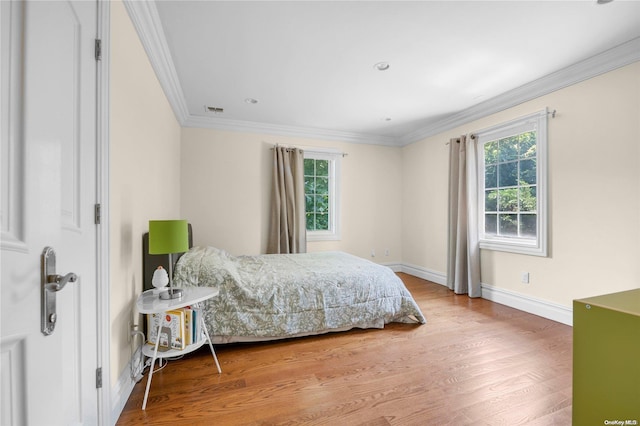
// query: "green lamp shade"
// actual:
[[168, 236]]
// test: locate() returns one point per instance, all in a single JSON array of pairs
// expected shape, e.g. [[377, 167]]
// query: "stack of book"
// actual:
[[180, 328]]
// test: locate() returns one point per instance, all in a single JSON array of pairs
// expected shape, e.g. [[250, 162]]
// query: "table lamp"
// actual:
[[168, 237]]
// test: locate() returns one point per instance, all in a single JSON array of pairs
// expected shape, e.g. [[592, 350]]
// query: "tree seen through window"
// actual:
[[316, 192], [510, 199]]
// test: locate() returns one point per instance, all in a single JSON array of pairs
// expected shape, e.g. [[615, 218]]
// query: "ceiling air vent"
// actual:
[[215, 110]]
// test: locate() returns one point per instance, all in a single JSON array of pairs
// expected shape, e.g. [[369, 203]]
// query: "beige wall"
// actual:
[[226, 184], [425, 168], [594, 185], [144, 173]]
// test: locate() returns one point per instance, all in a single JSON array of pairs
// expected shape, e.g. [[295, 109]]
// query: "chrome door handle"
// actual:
[[51, 284], [57, 282]]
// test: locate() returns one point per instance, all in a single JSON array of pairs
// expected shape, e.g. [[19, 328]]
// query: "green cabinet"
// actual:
[[606, 359]]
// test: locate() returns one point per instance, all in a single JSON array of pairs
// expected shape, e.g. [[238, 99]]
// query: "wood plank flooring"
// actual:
[[474, 362]]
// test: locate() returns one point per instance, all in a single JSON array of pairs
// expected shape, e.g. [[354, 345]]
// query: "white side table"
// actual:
[[149, 303]]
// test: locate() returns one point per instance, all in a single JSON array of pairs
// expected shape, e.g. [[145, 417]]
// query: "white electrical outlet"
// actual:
[[386, 252], [373, 252], [524, 278]]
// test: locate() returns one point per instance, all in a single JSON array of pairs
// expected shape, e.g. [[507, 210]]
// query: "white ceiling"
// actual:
[[310, 64]]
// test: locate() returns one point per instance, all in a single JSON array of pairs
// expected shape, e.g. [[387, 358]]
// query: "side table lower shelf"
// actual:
[[148, 350]]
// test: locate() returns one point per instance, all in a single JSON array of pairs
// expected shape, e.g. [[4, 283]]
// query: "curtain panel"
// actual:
[[287, 231], [463, 252]]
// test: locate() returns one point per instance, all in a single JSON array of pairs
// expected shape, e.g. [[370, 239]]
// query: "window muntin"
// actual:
[[316, 193], [321, 187], [512, 186], [510, 195]]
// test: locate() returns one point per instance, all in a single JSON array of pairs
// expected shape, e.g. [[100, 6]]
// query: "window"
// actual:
[[321, 179], [512, 186]]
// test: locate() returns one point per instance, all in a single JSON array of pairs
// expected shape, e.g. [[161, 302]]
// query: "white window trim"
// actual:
[[335, 164], [538, 246]]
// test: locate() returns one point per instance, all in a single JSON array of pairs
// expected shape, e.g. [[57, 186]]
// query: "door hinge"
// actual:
[[97, 213], [99, 378], [98, 49]]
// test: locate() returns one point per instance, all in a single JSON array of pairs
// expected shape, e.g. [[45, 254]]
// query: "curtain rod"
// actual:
[[474, 136], [343, 154]]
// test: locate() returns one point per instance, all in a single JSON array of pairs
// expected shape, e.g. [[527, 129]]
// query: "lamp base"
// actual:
[[172, 293]]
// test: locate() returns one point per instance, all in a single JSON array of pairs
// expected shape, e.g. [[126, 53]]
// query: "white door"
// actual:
[[48, 175]]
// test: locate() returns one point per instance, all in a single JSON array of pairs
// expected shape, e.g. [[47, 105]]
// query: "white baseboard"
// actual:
[[121, 391], [424, 273], [532, 305], [120, 394], [522, 302], [395, 267]]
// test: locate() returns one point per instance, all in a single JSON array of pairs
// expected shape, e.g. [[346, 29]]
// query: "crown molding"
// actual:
[[282, 130], [609, 60], [146, 21]]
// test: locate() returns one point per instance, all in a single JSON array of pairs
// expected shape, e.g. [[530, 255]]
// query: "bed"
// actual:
[[268, 297]]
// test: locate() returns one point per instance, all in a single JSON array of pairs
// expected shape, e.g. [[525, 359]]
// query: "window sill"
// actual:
[[532, 249], [322, 236]]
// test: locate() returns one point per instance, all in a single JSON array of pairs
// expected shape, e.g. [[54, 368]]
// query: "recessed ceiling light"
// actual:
[[382, 66], [251, 101]]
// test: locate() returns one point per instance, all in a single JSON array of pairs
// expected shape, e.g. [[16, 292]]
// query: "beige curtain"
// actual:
[[288, 229], [463, 258]]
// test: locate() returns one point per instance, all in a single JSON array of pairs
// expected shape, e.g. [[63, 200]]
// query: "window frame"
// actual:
[[531, 246], [335, 159]]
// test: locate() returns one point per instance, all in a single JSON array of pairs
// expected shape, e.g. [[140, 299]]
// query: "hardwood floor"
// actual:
[[474, 362]]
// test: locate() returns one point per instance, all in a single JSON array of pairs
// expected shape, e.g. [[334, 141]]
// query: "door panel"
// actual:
[[12, 177], [50, 192]]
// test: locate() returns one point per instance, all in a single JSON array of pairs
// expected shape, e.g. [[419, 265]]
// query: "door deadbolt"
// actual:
[[51, 284]]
